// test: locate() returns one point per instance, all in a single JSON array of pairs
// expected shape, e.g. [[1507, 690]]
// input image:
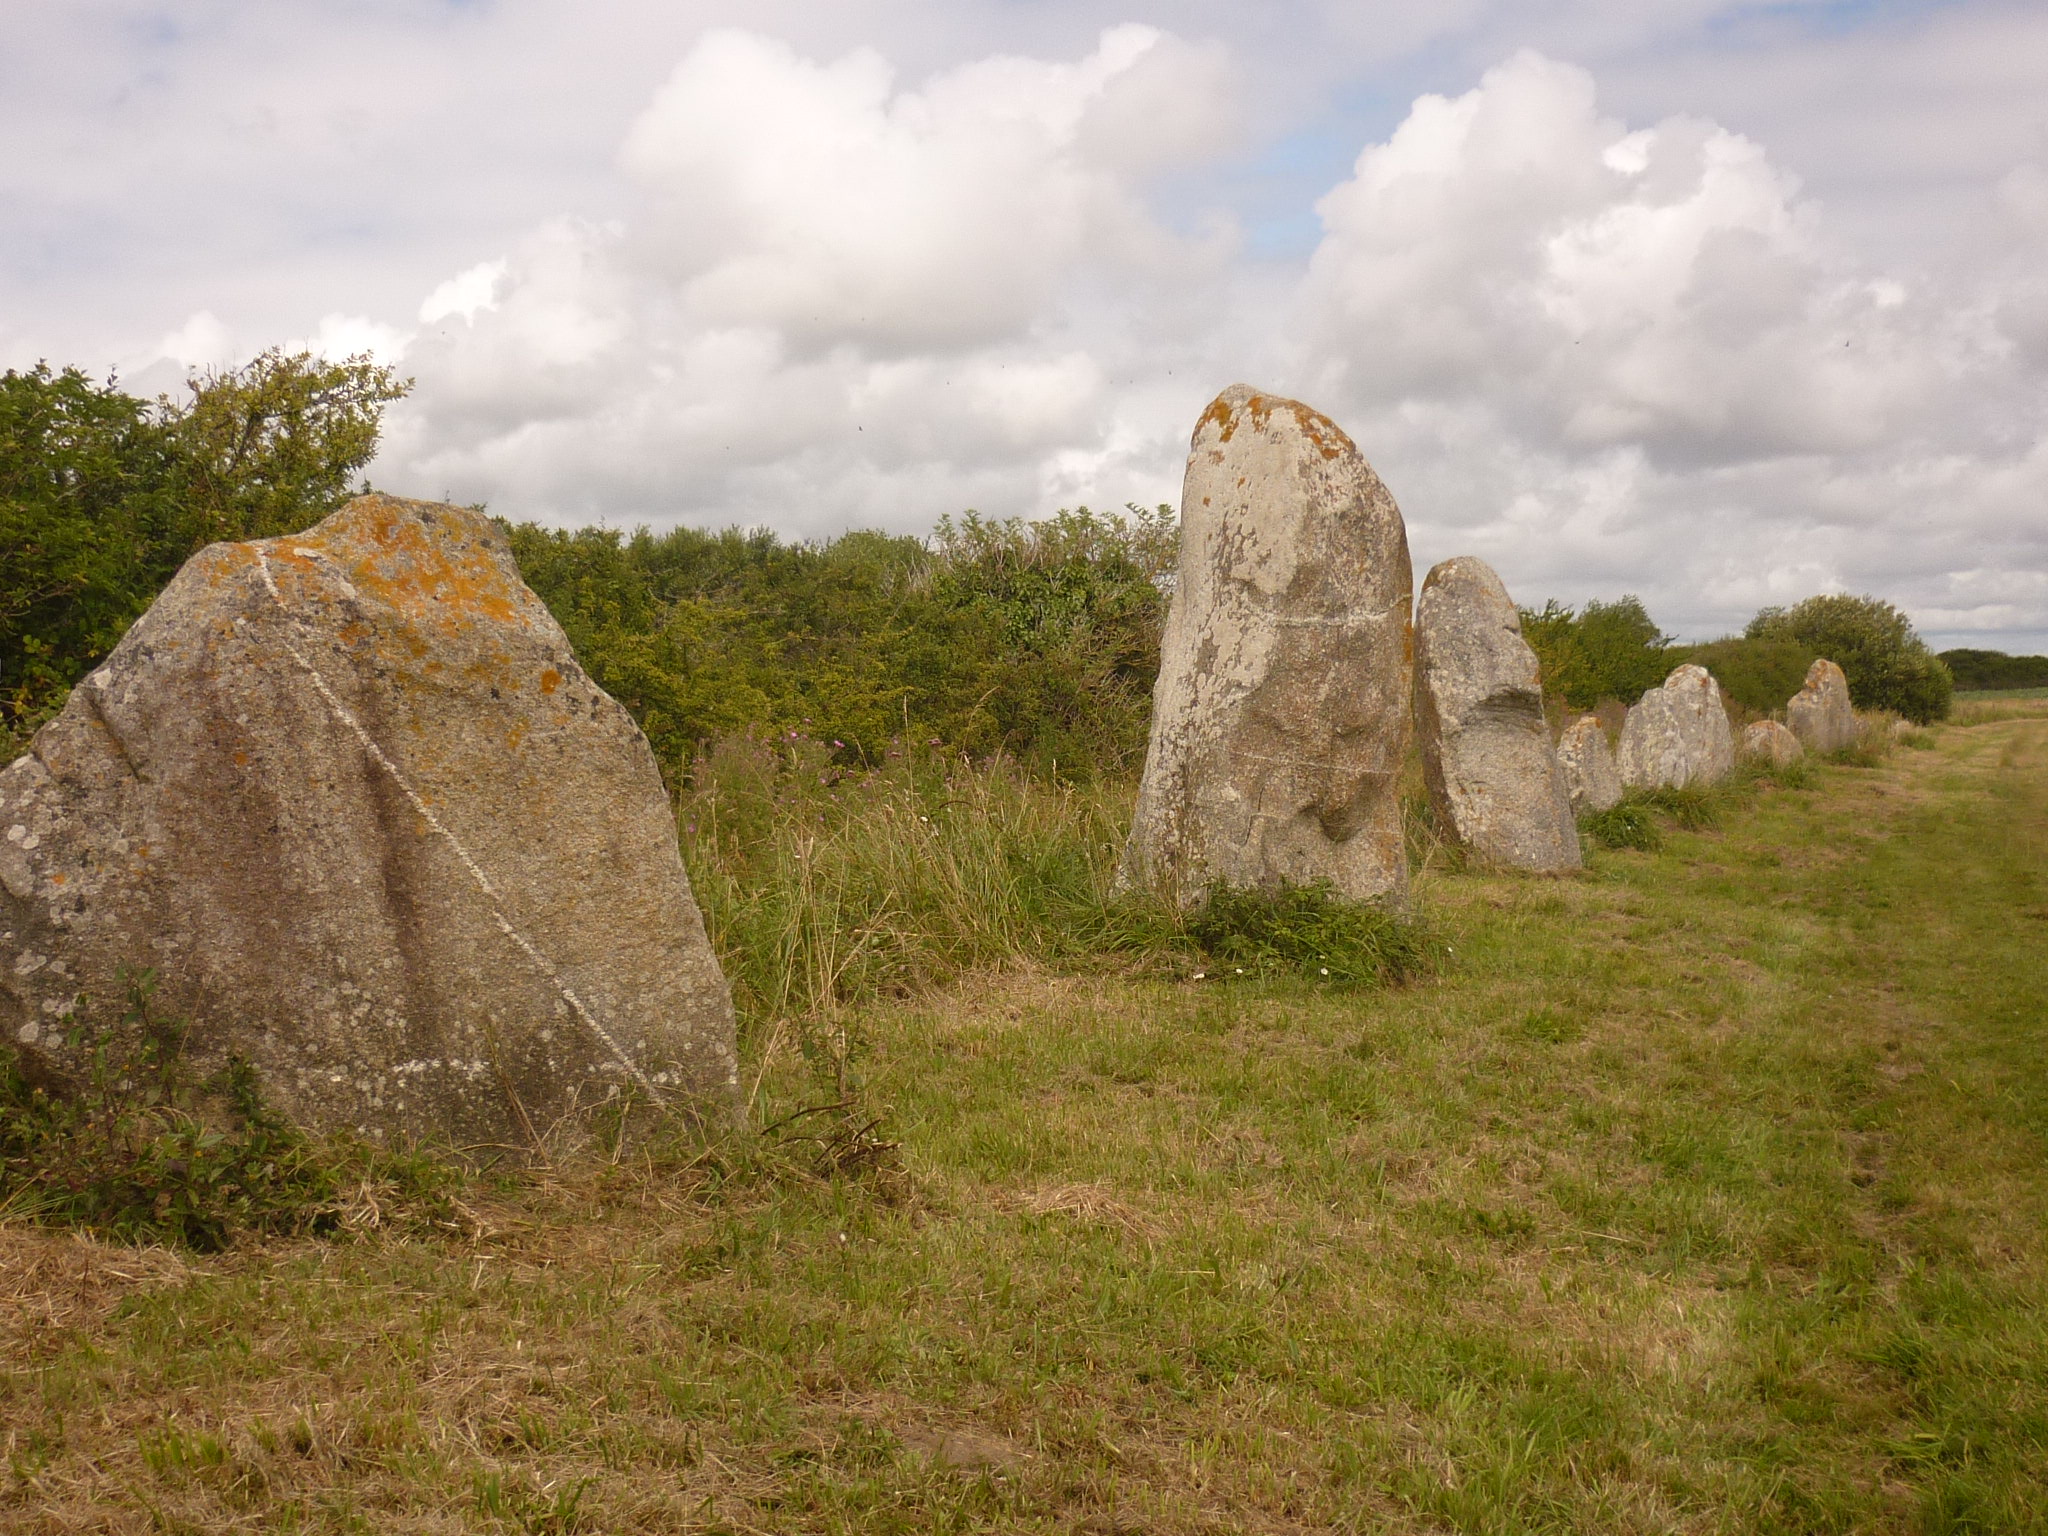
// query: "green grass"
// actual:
[[1700, 1193], [1972, 695]]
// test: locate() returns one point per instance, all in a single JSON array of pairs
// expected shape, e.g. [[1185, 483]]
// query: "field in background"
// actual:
[[1701, 1193]]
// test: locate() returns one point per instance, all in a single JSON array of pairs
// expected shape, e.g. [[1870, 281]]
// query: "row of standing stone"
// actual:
[[1296, 659], [1678, 734]]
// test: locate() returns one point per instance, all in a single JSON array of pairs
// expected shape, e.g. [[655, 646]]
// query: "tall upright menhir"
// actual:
[[1281, 715]]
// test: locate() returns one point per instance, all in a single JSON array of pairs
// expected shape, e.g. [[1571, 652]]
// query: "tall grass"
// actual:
[[825, 886]]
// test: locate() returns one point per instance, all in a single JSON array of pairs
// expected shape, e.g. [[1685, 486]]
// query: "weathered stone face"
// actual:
[[1590, 775], [1282, 710], [1486, 754], [352, 798], [1677, 734], [1770, 741], [1820, 713]]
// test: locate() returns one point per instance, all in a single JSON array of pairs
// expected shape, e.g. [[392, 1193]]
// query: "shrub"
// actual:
[[1033, 641], [1602, 651], [1992, 671], [1888, 666], [145, 1153], [104, 495], [1759, 675], [1307, 930]]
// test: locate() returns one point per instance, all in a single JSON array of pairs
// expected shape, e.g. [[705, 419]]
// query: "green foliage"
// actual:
[[83, 520], [272, 446], [1760, 675], [1888, 666], [1602, 651], [145, 1152], [1037, 641], [1307, 930], [103, 496], [1992, 671]]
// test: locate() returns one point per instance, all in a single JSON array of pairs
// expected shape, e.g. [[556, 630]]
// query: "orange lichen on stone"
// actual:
[[1329, 438], [550, 680], [378, 544]]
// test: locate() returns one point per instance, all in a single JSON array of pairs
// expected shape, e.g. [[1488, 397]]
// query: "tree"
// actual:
[[1888, 666], [83, 472], [1603, 651], [104, 495], [271, 447]]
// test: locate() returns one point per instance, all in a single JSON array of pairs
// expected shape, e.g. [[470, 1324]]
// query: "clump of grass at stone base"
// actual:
[[147, 1151], [1639, 818], [1310, 932]]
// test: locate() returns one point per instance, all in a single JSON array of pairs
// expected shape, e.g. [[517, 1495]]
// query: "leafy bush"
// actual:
[[1033, 641], [103, 496], [145, 1153], [1602, 651], [1888, 666], [1307, 930], [1759, 675], [1992, 671]]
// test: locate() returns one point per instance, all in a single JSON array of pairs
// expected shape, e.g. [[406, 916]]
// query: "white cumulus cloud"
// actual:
[[840, 299]]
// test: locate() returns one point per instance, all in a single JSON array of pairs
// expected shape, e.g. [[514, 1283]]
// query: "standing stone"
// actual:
[[1820, 713], [350, 796], [1772, 742], [1281, 715], [1590, 776], [1486, 754], [1677, 734]]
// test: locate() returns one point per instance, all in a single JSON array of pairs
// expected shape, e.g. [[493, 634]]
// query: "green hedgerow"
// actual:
[[1310, 931]]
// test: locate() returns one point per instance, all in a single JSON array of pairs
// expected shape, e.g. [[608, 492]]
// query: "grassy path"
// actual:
[[1703, 1193]]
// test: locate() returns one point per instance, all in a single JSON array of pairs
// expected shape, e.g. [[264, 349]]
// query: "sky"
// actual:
[[1718, 304]]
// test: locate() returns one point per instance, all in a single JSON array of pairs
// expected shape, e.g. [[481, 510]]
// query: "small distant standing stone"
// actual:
[[1677, 734], [1772, 742], [1486, 752], [1821, 714], [1590, 776], [1281, 715]]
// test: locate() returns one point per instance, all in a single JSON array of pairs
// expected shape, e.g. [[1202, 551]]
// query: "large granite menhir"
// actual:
[[353, 800], [1492, 773], [1820, 714], [1281, 714], [1677, 734]]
